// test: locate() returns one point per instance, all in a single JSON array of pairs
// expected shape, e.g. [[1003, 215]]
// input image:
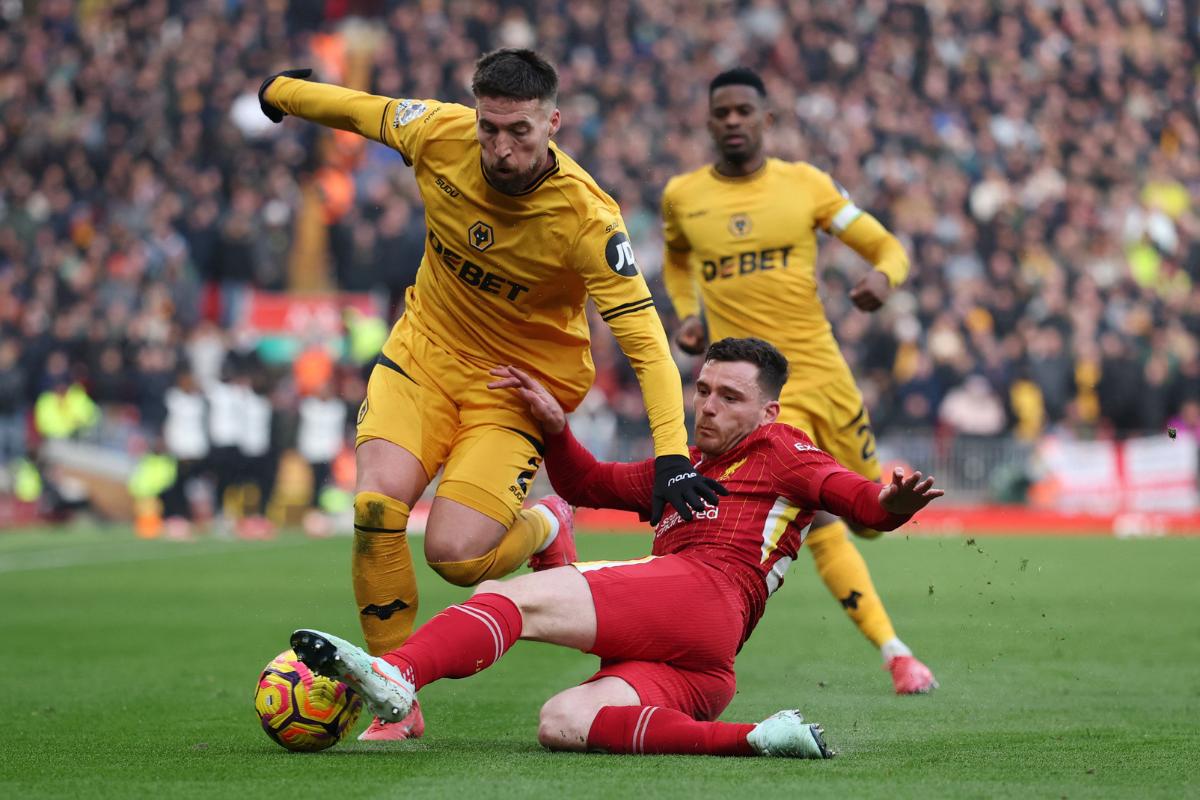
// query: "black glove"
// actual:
[[677, 482], [273, 113]]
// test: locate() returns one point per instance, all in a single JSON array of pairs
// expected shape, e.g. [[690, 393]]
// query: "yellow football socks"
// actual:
[[385, 585], [843, 570], [519, 542]]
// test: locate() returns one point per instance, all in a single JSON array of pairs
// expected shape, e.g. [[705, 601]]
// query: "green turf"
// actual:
[[1068, 669]]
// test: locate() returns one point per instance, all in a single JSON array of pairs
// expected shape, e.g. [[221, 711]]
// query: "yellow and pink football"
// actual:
[[301, 710]]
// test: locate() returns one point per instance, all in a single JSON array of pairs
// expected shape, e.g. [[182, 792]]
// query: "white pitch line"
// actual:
[[60, 559]]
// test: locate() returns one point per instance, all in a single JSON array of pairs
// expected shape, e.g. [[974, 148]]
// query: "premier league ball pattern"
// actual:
[[303, 711]]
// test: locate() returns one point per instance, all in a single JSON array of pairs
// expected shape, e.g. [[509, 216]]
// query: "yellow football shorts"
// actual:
[[437, 406], [836, 419]]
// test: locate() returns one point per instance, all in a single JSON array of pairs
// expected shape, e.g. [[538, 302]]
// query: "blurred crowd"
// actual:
[[1040, 159]]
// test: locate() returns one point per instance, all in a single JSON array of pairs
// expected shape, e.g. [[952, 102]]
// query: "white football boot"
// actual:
[[787, 735], [388, 694]]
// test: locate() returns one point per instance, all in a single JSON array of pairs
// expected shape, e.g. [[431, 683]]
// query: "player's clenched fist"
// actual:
[[691, 337], [907, 495], [677, 482], [870, 293]]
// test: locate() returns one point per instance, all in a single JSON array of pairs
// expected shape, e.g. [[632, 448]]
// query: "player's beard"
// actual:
[[516, 182]]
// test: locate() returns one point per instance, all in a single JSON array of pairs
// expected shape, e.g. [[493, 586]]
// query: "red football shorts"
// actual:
[[669, 626]]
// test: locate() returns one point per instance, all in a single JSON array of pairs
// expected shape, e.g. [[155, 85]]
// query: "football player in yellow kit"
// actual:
[[519, 237], [744, 231]]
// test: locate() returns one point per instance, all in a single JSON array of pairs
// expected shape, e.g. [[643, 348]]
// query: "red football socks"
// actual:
[[460, 641], [655, 730]]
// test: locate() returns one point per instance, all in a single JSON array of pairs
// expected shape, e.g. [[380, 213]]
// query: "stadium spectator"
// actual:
[[63, 410], [226, 415], [257, 458], [14, 408], [322, 434], [973, 408], [185, 437]]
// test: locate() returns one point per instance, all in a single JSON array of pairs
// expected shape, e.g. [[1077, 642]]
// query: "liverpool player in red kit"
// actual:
[[666, 627]]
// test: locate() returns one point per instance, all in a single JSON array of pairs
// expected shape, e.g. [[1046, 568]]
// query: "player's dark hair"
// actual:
[[518, 74], [772, 364], [738, 76]]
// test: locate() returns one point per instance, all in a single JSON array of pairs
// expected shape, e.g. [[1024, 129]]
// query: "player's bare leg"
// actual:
[[466, 546], [845, 573], [556, 606], [457, 533], [608, 715], [389, 481], [566, 718]]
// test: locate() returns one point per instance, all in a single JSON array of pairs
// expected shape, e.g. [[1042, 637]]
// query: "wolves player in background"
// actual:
[[667, 626], [744, 229], [519, 237]]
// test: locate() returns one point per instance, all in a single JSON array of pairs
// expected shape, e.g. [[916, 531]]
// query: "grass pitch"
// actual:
[[1068, 669]]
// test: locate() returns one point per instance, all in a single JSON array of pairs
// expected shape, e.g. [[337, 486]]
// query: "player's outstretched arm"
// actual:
[[292, 93], [574, 472], [811, 477], [906, 495]]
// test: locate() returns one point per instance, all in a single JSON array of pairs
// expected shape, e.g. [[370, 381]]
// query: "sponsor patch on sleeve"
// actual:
[[619, 254]]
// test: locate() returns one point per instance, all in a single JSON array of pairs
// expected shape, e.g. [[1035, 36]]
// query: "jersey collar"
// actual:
[[758, 173]]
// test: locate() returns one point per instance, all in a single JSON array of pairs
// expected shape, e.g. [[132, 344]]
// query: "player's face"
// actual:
[[515, 137], [736, 119], [729, 405]]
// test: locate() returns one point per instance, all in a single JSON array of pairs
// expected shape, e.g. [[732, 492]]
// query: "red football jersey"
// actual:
[[777, 479]]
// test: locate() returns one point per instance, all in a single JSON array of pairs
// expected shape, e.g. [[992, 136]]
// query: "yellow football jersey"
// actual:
[[505, 278], [750, 244]]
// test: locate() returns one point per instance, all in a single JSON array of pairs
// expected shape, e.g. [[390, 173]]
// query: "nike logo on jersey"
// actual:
[[746, 263]]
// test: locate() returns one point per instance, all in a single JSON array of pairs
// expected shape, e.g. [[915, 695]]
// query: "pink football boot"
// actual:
[[561, 551], [910, 676]]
